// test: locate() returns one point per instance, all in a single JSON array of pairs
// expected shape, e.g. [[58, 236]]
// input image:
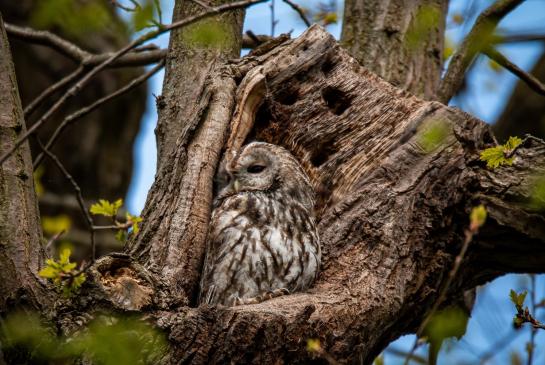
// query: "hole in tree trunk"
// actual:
[[336, 100]]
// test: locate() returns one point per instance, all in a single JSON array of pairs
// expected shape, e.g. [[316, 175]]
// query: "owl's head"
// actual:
[[266, 167]]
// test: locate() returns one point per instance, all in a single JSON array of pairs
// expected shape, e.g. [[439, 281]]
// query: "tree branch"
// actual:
[[299, 11], [135, 43], [478, 37], [80, 55], [52, 89], [528, 78], [79, 196], [87, 109]]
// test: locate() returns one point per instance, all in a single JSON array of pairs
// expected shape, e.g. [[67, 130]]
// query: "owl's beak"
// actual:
[[236, 185]]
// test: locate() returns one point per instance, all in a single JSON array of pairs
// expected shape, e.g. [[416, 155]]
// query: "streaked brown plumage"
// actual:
[[262, 239]]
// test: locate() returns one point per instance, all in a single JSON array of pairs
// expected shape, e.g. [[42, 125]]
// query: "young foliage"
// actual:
[[63, 273], [56, 224], [106, 208], [477, 217], [73, 17], [109, 209], [107, 340], [502, 154]]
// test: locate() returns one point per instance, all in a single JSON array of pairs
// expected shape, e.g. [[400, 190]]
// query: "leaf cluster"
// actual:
[[107, 340], [502, 154], [63, 273]]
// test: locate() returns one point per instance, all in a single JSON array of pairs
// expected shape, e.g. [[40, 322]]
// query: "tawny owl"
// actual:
[[262, 240]]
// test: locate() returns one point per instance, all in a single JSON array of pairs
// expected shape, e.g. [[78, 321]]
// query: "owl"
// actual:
[[262, 240]]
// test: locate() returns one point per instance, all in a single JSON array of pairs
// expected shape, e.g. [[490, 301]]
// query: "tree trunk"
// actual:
[[392, 207], [175, 228], [98, 150], [21, 250], [376, 34]]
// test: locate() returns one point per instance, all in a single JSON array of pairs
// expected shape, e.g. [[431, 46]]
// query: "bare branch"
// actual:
[[51, 90], [87, 216], [516, 38], [86, 110], [135, 43], [251, 40], [79, 55], [478, 38], [49, 39], [299, 11], [528, 78]]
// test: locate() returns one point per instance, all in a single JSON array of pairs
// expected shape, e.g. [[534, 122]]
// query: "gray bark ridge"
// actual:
[[396, 178], [21, 250]]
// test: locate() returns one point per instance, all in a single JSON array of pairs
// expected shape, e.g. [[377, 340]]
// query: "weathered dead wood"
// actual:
[[392, 207]]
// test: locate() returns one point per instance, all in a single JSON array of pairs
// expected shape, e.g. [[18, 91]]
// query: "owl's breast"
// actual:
[[257, 244]]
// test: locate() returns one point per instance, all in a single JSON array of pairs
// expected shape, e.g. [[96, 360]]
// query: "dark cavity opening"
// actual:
[[322, 153], [327, 66], [288, 96], [336, 100]]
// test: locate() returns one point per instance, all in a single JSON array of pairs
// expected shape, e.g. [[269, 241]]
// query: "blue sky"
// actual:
[[488, 91]]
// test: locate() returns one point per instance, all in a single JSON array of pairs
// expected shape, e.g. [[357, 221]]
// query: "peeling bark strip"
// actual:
[[21, 252], [394, 202]]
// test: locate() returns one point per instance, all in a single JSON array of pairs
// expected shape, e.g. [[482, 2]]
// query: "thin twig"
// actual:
[[273, 20], [126, 8], [51, 90], [299, 11], [533, 331], [528, 78], [478, 38], [469, 233], [72, 51], [53, 239], [400, 353], [135, 43], [86, 110], [88, 218], [517, 38], [202, 4]]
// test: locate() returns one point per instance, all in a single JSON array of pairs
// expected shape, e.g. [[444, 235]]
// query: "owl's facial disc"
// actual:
[[253, 172]]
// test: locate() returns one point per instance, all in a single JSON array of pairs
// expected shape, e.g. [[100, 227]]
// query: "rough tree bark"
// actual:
[[375, 32], [392, 211], [21, 250], [393, 206]]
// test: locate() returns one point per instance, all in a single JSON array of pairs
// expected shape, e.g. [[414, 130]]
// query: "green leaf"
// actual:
[[105, 208], [143, 16], [56, 224], [447, 323], [121, 235], [48, 272], [498, 156], [517, 299], [134, 220], [477, 217], [73, 17], [313, 345]]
